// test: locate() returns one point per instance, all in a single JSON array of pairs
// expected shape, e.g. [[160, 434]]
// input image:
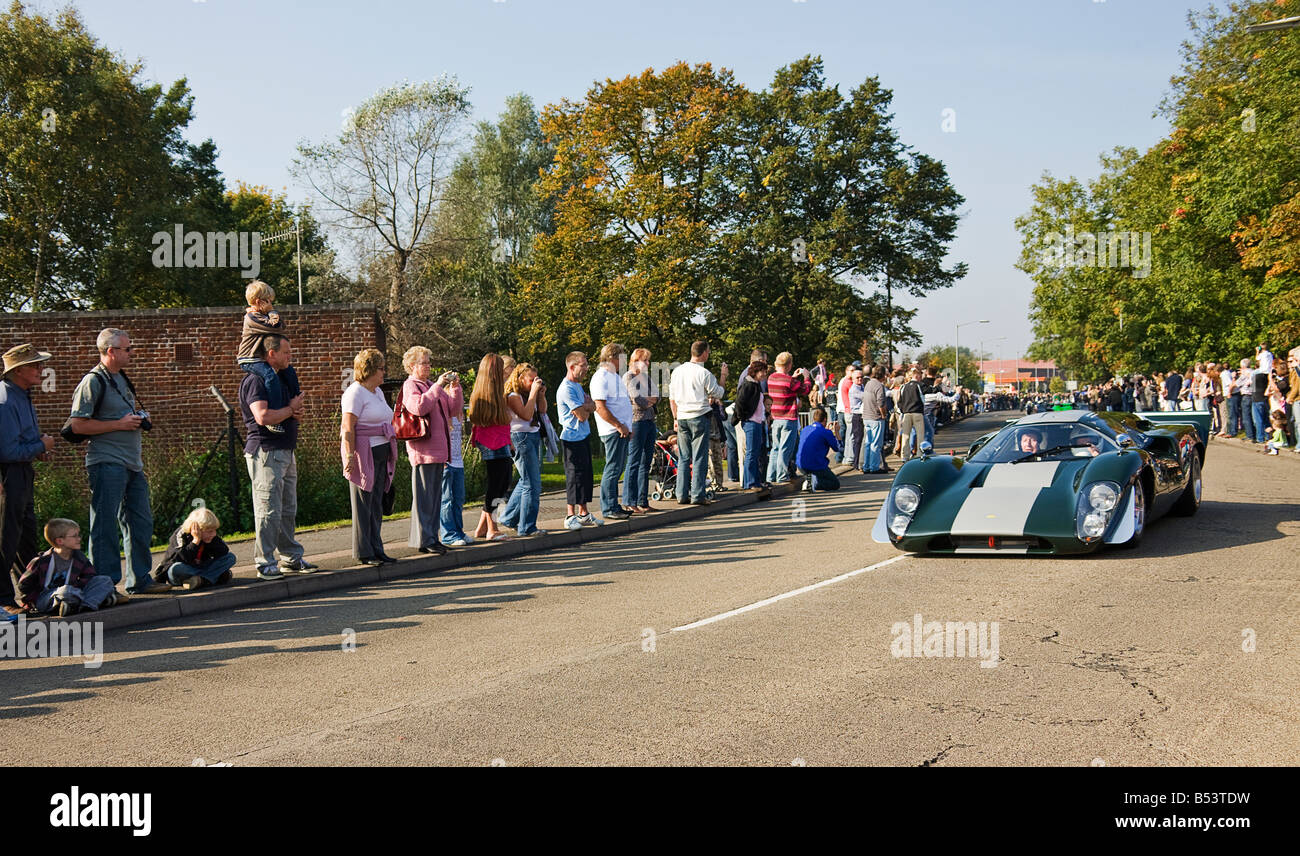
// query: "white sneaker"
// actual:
[[588, 520], [572, 522], [459, 542]]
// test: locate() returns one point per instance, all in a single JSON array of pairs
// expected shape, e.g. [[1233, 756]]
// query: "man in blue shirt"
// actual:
[[21, 442], [815, 443], [576, 407]]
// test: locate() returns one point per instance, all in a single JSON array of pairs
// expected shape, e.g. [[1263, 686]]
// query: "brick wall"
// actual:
[[178, 354]]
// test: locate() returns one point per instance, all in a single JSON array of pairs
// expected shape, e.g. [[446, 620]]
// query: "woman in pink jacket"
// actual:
[[429, 453]]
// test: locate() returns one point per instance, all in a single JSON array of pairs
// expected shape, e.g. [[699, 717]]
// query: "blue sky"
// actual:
[[1036, 86]]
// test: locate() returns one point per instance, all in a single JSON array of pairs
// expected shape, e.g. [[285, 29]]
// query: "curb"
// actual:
[[243, 593], [1257, 448]]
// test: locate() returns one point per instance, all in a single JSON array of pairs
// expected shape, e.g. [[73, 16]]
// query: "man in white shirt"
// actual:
[[613, 423], [689, 392]]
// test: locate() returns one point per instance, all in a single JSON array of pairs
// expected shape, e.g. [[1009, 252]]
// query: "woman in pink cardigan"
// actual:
[[430, 453]]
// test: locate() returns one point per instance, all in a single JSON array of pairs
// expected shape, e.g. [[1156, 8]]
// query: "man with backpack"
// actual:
[[106, 412]]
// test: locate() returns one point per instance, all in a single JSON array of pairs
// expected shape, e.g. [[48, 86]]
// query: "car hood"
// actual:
[[1005, 499]]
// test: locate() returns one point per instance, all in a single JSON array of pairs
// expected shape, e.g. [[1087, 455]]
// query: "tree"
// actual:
[[466, 269], [638, 202], [939, 358], [387, 173], [92, 164], [1217, 199]]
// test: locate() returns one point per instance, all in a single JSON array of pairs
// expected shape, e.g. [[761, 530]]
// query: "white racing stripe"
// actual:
[[771, 600]]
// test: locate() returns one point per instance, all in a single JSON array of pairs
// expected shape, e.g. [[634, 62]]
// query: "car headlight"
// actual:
[[903, 502], [1103, 496], [1097, 503]]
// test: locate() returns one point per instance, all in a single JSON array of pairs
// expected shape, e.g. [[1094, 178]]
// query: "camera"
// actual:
[[145, 424]]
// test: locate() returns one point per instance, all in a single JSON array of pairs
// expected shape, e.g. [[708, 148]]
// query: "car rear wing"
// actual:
[[1200, 418]]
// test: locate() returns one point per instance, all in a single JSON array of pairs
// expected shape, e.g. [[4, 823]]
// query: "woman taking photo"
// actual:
[[489, 416], [643, 391], [526, 398], [428, 454], [369, 452], [752, 418]]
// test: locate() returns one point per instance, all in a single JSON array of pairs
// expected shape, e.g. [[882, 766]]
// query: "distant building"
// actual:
[[1013, 372]]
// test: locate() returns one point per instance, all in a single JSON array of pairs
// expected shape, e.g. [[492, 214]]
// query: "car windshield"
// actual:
[[1043, 442]]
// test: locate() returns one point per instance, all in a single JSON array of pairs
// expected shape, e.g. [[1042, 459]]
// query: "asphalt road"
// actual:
[[571, 657]]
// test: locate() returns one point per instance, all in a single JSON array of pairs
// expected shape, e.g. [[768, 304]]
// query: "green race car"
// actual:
[[1052, 483]]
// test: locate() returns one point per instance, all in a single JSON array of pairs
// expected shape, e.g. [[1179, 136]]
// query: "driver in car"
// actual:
[[1030, 441]]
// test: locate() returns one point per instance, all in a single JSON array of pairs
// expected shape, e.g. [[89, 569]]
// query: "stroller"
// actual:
[[664, 469]]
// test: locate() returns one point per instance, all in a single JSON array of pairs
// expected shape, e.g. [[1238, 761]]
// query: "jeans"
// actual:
[[119, 506], [1261, 420], [274, 477], [693, 457], [280, 387], [179, 572], [1234, 416], [615, 461], [785, 440], [521, 511], [1248, 418], [733, 452], [929, 428], [873, 447], [824, 480], [90, 596], [640, 458], [450, 522], [753, 443]]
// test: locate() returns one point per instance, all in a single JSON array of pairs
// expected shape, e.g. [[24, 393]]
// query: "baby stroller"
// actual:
[[664, 468]]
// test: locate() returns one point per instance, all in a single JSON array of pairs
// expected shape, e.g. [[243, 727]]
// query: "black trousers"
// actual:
[[498, 482], [578, 474], [17, 526]]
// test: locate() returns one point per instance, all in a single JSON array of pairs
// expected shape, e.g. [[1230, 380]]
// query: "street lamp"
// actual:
[[1280, 24], [956, 349]]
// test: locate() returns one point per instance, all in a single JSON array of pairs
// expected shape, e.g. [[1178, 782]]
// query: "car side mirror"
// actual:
[[1124, 440]]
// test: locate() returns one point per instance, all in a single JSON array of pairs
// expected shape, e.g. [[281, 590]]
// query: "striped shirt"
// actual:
[[785, 391]]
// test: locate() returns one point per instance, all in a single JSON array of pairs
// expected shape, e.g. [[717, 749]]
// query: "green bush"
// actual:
[[60, 492]]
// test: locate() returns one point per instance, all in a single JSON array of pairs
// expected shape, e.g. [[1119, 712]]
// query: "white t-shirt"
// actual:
[[370, 408], [608, 387], [520, 425]]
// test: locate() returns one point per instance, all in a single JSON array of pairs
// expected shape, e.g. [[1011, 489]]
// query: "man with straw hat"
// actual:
[[21, 442]]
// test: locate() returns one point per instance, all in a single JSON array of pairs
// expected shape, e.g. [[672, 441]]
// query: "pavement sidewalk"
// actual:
[[331, 549]]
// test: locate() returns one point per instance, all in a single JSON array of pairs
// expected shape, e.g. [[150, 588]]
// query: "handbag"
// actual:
[[407, 425]]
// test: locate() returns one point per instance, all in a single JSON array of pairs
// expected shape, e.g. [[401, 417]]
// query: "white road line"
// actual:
[[771, 600]]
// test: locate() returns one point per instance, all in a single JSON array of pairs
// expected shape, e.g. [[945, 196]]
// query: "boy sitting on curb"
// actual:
[[196, 556], [61, 580]]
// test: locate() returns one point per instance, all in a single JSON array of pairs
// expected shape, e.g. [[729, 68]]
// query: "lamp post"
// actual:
[[956, 348], [982, 341]]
